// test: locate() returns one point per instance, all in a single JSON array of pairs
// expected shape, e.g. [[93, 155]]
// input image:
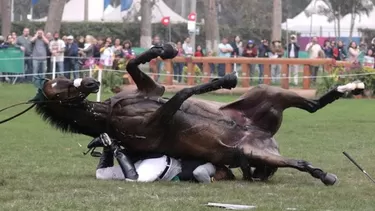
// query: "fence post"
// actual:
[[53, 67], [169, 71], [228, 68], [100, 72], [267, 74], [206, 72], [285, 76], [190, 71], [306, 77], [245, 75]]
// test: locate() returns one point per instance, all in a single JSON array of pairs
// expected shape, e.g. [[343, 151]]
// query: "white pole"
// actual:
[[100, 72], [31, 13], [90, 73], [12, 11], [54, 67]]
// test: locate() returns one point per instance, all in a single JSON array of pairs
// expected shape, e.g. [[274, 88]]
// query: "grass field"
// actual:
[[43, 169]]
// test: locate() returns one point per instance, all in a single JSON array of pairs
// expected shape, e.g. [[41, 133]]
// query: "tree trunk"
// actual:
[[211, 25], [54, 18], [276, 20], [146, 29], [338, 18], [352, 22], [5, 17]]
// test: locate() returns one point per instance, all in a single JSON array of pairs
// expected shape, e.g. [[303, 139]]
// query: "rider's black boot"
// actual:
[[125, 163], [106, 160]]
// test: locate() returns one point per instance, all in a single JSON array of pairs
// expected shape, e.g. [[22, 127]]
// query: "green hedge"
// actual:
[[131, 31]]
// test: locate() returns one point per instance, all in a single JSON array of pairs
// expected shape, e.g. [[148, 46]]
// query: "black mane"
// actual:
[[65, 125]]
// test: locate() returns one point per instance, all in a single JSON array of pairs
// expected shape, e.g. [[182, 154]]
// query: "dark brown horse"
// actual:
[[239, 134]]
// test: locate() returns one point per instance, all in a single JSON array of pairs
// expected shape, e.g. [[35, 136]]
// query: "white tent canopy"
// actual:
[[318, 25], [315, 24], [74, 12], [159, 11]]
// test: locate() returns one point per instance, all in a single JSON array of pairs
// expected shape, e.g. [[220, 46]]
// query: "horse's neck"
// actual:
[[88, 119]]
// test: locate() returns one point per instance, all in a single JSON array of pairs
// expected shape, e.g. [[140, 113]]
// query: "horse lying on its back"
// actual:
[[237, 134]]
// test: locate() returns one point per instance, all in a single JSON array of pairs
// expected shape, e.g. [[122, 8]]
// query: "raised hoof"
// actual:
[[329, 179], [169, 51], [229, 81], [359, 88]]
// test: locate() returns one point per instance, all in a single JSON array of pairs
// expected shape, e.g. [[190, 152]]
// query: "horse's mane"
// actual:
[[64, 125]]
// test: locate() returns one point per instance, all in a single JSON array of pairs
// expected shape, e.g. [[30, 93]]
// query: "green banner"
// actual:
[[11, 60]]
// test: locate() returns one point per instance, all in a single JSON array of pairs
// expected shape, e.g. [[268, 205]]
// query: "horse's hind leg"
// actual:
[[294, 100], [274, 161], [142, 80], [166, 112]]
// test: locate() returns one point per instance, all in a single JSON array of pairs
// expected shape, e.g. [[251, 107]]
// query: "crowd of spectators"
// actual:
[[70, 54]]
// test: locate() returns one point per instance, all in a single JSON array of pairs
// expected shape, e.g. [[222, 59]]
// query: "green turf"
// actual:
[[43, 169]]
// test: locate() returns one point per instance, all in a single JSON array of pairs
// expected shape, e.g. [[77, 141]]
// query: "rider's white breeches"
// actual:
[[148, 170]]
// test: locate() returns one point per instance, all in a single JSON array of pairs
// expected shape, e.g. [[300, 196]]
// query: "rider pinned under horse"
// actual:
[[239, 134]]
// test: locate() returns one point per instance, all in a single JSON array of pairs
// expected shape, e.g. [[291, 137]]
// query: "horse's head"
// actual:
[[65, 90]]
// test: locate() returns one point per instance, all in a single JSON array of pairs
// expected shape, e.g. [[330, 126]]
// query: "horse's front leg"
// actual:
[[144, 82], [273, 161], [169, 109]]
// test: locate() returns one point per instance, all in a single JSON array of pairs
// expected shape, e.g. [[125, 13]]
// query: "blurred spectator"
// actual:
[[128, 50], [24, 42], [71, 57], [237, 46], [117, 45], [10, 40], [177, 66], [81, 42], [293, 51], [39, 53], [107, 54], [87, 53], [157, 64], [250, 51], [313, 48], [277, 52], [199, 53], [339, 52], [353, 52], [369, 60], [264, 51], [99, 44], [328, 49], [188, 49], [225, 50], [88, 50], [14, 35], [57, 49], [372, 47]]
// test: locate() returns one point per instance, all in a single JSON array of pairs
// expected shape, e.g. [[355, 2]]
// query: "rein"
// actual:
[[35, 102]]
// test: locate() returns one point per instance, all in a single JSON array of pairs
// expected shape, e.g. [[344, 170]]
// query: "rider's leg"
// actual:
[[203, 173], [112, 149]]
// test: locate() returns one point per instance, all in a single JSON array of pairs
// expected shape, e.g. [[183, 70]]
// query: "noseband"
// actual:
[[70, 101]]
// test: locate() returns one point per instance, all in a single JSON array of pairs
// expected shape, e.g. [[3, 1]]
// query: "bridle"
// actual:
[[41, 98]]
